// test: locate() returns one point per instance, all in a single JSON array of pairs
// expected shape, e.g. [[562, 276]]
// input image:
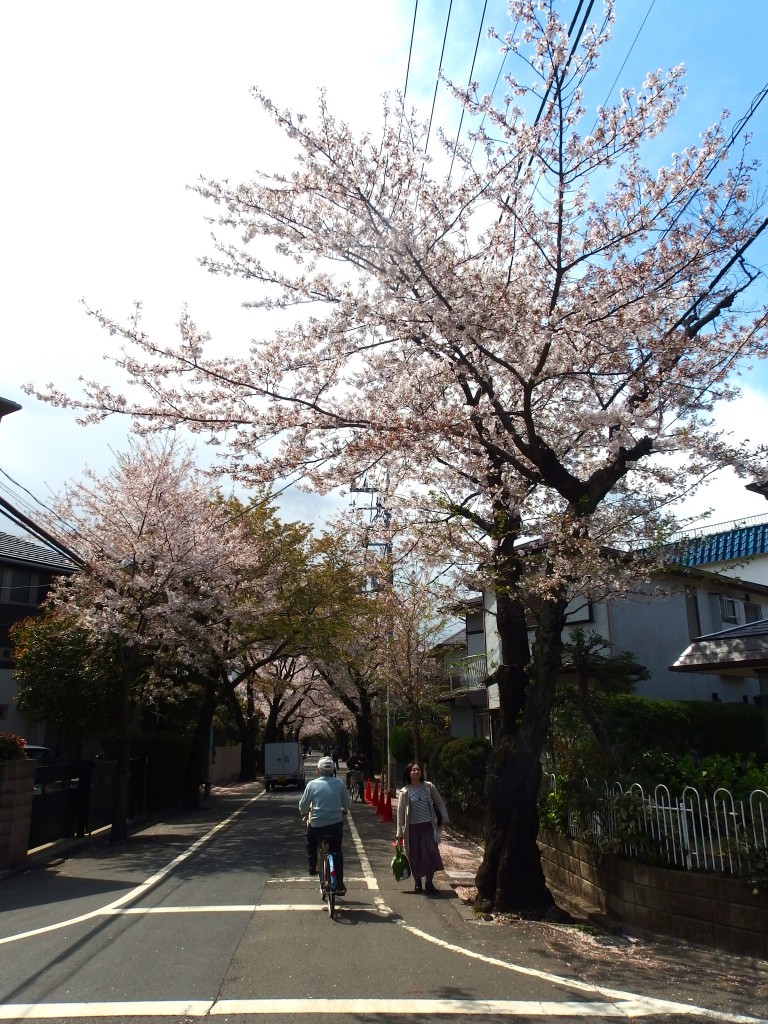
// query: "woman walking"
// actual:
[[420, 813]]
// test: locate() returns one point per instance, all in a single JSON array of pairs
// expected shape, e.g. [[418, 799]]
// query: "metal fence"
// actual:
[[74, 800], [691, 831]]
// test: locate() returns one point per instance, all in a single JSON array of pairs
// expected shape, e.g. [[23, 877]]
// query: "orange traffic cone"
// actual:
[[387, 814], [368, 791], [382, 802], [375, 797]]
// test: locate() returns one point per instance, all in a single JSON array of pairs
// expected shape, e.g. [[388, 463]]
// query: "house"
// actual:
[[26, 572], [718, 581]]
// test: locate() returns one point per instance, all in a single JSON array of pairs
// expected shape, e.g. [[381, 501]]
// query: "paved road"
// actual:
[[212, 914]]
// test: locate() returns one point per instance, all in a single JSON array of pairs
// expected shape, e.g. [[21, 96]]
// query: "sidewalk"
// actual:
[[598, 948]]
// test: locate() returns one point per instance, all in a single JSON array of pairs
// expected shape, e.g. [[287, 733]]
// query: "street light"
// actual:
[[7, 407]]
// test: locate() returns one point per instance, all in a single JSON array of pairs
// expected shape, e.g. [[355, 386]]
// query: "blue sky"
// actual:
[[111, 109]]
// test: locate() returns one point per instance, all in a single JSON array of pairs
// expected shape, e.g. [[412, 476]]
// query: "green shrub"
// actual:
[[401, 743], [459, 771]]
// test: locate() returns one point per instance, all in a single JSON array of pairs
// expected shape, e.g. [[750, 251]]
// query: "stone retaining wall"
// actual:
[[706, 909]]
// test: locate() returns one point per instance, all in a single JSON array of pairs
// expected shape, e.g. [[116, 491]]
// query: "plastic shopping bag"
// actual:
[[401, 869]]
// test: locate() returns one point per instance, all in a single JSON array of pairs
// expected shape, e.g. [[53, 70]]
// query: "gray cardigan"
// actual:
[[402, 811]]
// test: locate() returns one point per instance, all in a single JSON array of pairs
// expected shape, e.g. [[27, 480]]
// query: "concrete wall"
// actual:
[[722, 913], [463, 721], [226, 764]]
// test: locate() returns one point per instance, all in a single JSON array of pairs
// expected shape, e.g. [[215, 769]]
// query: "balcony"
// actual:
[[465, 674], [472, 671]]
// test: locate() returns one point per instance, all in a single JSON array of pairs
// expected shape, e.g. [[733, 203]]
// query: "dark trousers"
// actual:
[[334, 833]]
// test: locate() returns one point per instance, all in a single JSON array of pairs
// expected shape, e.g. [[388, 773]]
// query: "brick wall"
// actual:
[[722, 913]]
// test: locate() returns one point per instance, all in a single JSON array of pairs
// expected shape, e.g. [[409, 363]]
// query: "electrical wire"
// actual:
[[629, 54], [437, 76], [410, 49], [469, 83]]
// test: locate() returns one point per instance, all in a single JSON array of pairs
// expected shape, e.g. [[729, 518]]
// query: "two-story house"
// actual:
[[26, 572], [654, 621]]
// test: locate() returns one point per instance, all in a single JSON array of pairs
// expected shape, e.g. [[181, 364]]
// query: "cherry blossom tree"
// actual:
[[532, 343], [160, 557]]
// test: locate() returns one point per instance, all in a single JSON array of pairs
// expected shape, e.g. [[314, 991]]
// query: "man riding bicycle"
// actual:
[[327, 799]]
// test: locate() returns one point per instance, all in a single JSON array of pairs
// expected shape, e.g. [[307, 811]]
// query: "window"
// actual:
[[20, 586], [753, 612], [728, 610]]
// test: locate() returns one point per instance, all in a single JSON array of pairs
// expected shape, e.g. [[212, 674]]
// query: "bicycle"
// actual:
[[326, 869], [354, 784]]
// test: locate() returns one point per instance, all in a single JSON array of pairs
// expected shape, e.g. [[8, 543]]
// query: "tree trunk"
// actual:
[[119, 830], [364, 721], [416, 731], [247, 753], [250, 763], [199, 752], [511, 877]]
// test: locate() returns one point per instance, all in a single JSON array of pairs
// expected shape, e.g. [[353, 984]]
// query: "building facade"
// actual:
[[718, 581], [26, 572]]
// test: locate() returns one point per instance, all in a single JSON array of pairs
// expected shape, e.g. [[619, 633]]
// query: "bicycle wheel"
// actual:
[[331, 890]]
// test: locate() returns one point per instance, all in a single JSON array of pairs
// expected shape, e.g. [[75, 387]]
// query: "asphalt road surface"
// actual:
[[212, 914]]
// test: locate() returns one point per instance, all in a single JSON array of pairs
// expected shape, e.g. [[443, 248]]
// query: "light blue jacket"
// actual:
[[327, 796]]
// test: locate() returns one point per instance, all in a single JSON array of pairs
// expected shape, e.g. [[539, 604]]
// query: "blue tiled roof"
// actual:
[[741, 542]]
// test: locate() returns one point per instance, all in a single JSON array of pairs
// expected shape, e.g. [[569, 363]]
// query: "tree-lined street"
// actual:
[[212, 913]]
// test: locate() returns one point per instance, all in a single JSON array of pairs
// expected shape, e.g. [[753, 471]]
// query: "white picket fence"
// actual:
[[700, 833]]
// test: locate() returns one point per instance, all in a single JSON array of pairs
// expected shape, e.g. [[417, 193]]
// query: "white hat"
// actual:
[[326, 765]]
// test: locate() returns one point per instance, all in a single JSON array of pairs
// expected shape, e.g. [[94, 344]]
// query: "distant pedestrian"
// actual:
[[421, 813]]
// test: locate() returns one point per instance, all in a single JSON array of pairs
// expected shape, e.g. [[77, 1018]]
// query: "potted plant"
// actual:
[[17, 787]]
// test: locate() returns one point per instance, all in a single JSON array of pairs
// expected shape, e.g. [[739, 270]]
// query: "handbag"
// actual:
[[435, 808], [401, 869]]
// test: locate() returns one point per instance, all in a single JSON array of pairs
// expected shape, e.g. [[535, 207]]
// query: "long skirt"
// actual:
[[423, 852]]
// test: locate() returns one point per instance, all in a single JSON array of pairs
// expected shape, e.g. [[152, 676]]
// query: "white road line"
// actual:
[[140, 889], [237, 908], [285, 880], [368, 874], [390, 1007], [624, 1004], [55, 1011], [643, 1005]]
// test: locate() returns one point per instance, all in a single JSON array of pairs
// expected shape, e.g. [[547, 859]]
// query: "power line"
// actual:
[[23, 488], [469, 83], [575, 43], [629, 53], [437, 76], [410, 49], [37, 531]]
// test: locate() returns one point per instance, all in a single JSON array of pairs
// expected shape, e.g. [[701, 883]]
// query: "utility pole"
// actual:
[[378, 511]]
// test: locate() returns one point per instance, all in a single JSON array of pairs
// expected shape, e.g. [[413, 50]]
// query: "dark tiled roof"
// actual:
[[457, 637], [741, 647], [24, 552]]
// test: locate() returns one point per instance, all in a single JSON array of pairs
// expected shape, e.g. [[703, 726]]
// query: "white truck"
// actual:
[[283, 765]]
